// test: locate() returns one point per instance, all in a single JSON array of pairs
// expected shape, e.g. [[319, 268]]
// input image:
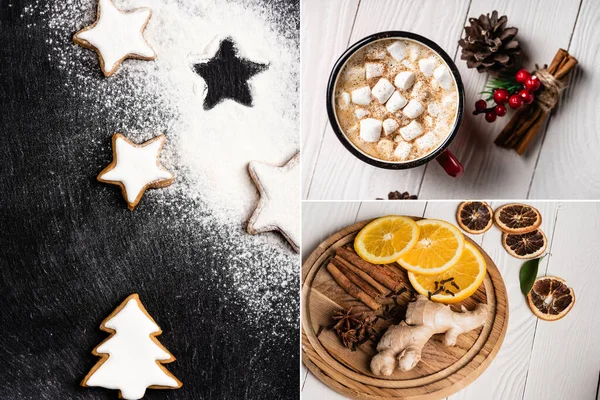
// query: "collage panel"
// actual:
[[150, 213], [502, 322], [449, 99]]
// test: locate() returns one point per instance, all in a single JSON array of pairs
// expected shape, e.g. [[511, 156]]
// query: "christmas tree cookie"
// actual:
[[131, 358]]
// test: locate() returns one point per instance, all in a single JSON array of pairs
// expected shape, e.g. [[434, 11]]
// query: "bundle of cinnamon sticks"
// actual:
[[524, 125], [364, 281]]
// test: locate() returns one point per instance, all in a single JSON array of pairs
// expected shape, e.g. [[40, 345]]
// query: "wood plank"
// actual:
[[315, 389], [326, 28], [568, 164], [375, 209], [498, 173], [303, 375], [340, 175], [509, 368], [320, 220], [566, 356]]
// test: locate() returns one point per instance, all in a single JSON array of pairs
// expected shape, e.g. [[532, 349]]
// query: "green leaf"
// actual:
[[528, 274]]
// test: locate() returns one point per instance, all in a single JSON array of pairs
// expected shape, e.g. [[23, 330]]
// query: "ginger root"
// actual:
[[424, 318]]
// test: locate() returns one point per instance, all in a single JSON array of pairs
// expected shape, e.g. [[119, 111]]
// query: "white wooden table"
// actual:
[[561, 163], [538, 360]]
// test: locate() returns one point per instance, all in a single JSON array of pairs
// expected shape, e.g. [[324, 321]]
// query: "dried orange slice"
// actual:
[[385, 239], [517, 218], [474, 216], [550, 299], [438, 248], [456, 283], [527, 245]]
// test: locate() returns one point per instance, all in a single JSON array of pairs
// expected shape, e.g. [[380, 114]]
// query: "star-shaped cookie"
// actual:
[[135, 168], [226, 76], [279, 205], [116, 35]]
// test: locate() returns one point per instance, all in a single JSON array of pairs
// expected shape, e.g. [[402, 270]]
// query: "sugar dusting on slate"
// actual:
[[207, 150]]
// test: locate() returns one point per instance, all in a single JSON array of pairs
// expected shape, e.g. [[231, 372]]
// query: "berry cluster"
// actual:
[[516, 98]]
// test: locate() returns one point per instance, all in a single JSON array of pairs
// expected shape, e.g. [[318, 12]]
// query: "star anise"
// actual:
[[354, 329], [345, 319]]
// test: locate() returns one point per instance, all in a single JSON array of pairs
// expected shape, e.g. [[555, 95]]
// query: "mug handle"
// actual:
[[451, 165]]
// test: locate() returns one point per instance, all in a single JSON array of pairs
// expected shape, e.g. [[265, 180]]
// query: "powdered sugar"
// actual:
[[207, 150]]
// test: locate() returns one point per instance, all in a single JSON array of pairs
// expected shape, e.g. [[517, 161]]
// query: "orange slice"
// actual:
[[385, 239], [439, 247], [456, 283], [550, 299]]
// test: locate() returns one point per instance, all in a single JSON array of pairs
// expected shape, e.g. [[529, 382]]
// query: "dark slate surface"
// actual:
[[70, 252]]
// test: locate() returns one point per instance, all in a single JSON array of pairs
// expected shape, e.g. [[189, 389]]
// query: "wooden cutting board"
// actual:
[[442, 371]]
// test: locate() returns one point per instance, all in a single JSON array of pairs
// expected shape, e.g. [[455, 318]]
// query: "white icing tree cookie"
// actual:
[[132, 357], [136, 168], [278, 208], [116, 35]]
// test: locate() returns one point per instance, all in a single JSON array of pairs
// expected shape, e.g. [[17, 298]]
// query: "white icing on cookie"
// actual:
[[131, 365], [278, 208], [136, 167], [117, 35]]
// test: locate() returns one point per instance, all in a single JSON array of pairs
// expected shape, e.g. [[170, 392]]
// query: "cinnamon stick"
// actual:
[[351, 288], [396, 271], [528, 137], [380, 288], [378, 273], [357, 280]]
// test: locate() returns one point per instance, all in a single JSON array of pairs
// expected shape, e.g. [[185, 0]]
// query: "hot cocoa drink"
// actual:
[[396, 100]]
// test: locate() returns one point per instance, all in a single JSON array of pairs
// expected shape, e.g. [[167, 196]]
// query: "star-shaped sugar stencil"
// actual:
[[116, 36], [279, 205], [135, 168], [227, 74]]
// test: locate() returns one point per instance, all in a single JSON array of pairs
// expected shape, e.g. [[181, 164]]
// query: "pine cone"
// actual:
[[489, 45]]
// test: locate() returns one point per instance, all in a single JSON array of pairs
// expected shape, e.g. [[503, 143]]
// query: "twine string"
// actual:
[[548, 98]]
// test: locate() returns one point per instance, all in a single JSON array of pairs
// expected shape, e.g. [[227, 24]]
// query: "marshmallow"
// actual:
[[442, 76], [434, 109], [410, 131], [413, 51], [361, 113], [404, 80], [427, 141], [428, 121], [408, 64], [373, 70], [389, 126], [370, 130], [419, 92], [383, 90], [396, 102], [354, 73], [386, 147], [427, 65], [397, 50], [449, 101], [402, 150], [413, 109], [362, 96], [344, 100], [441, 128], [352, 130]]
